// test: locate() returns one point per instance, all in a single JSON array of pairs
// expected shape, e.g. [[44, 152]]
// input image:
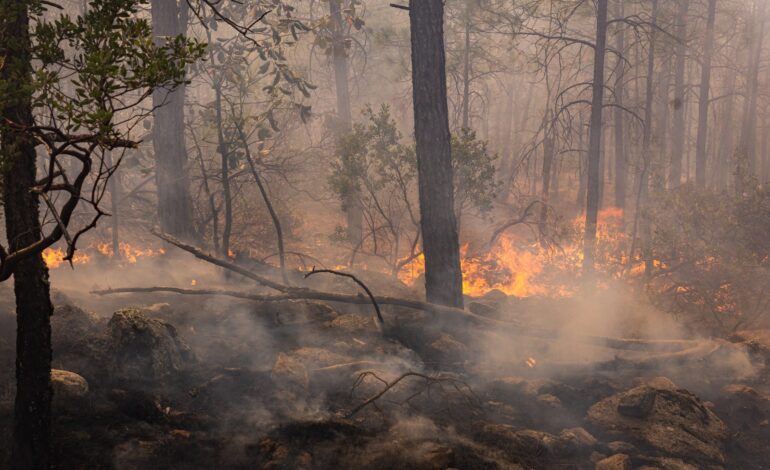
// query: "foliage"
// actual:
[[714, 255], [89, 77], [96, 66], [375, 163]]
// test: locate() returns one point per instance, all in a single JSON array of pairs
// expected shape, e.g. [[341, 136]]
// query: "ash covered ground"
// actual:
[[160, 380]]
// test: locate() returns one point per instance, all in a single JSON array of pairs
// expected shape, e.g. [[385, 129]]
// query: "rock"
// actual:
[[620, 447], [614, 462], [678, 424], [67, 385], [138, 404], [484, 309], [143, 348], [517, 389], [757, 342], [576, 441], [637, 402], [69, 324], [522, 442], [449, 349], [290, 373]]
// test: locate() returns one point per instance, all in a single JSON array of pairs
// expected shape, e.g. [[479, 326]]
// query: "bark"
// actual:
[[443, 278], [175, 211], [32, 411], [222, 147], [677, 145], [351, 202], [727, 136], [115, 189], [646, 153], [703, 100], [466, 105], [621, 170], [595, 140], [746, 154]]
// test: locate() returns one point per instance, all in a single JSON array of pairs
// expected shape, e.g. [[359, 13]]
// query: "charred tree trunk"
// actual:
[[32, 412], [646, 152], [677, 144], [175, 211], [595, 140], [621, 170], [443, 278], [703, 100]]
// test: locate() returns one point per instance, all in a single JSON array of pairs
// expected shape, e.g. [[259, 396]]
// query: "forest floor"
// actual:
[[168, 381]]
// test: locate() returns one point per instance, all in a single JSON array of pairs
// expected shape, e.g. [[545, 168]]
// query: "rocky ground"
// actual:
[[181, 382]]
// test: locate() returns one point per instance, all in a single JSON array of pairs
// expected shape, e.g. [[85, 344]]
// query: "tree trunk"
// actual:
[[466, 105], [646, 153], [222, 147], [351, 201], [621, 170], [595, 140], [443, 278], [677, 145], [703, 100], [114, 186], [724, 157], [32, 412], [175, 211], [746, 154]]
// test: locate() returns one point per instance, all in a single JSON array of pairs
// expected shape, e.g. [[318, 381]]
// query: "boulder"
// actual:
[[67, 385], [676, 424], [143, 348], [614, 462]]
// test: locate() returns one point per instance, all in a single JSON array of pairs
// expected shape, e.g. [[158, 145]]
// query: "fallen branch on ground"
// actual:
[[358, 281], [461, 387]]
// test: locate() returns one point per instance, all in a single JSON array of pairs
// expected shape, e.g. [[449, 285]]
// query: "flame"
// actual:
[[54, 257], [523, 268]]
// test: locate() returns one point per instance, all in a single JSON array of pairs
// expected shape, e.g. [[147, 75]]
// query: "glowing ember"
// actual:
[[531, 362]]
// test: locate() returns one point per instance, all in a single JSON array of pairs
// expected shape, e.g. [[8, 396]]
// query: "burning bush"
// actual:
[[716, 256]]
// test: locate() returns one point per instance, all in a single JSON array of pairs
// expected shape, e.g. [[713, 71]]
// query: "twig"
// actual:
[[358, 281], [389, 385]]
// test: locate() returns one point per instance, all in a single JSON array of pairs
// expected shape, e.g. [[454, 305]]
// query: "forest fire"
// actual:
[[54, 257], [522, 267]]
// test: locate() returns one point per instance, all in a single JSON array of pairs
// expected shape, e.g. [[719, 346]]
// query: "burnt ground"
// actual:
[[167, 381]]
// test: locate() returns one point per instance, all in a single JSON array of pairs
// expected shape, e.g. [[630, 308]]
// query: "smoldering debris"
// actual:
[[210, 382]]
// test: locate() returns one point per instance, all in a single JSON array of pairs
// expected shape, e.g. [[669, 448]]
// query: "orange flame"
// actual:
[[523, 268]]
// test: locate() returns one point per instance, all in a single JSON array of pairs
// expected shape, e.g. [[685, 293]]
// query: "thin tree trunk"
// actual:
[[621, 176], [443, 278], [340, 61], [175, 210], [746, 155], [595, 140], [466, 113], [725, 154], [222, 147], [646, 153], [703, 100], [32, 411], [115, 189], [677, 146]]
